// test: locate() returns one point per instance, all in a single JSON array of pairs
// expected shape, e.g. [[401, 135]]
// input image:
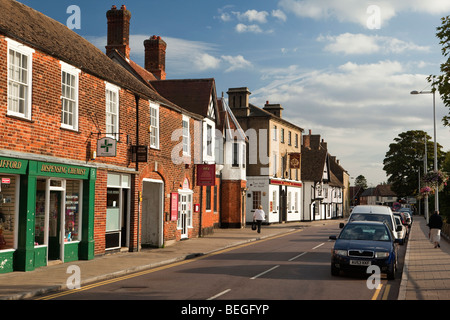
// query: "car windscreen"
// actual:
[[365, 232], [372, 217]]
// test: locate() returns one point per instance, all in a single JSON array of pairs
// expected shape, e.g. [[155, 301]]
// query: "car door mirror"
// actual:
[[341, 225], [332, 237]]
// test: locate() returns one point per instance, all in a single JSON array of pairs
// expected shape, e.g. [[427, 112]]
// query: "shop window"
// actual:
[[117, 210], [112, 209], [73, 211], [39, 225], [8, 205]]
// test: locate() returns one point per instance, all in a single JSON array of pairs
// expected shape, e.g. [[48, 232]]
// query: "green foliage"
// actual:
[[405, 159], [361, 181], [442, 81]]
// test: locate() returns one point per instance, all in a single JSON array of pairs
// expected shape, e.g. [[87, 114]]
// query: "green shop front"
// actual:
[[46, 213]]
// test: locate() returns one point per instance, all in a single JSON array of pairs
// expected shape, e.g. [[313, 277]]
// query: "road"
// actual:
[[294, 266]]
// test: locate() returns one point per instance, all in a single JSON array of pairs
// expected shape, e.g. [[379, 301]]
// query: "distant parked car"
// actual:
[[362, 244], [402, 234], [374, 213]]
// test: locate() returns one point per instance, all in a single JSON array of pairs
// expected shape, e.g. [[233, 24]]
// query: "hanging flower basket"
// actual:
[[435, 179], [425, 191]]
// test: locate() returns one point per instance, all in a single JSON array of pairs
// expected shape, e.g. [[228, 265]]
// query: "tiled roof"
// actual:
[[30, 27], [191, 94]]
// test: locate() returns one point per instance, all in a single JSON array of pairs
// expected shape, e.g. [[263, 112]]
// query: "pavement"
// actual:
[[426, 274]]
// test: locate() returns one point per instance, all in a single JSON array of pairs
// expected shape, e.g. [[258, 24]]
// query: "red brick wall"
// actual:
[[232, 203], [43, 135]]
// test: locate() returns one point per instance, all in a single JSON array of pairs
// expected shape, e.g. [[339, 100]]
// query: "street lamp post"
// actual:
[[433, 91]]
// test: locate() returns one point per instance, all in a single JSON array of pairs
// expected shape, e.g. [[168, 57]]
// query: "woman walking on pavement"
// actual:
[[259, 216], [435, 225]]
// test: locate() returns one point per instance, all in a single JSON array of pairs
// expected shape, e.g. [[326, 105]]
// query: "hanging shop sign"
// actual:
[[106, 147], [294, 160], [173, 206], [139, 153], [206, 174]]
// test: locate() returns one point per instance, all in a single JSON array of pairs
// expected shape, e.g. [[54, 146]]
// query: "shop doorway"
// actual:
[[55, 247], [152, 213], [185, 214], [50, 217]]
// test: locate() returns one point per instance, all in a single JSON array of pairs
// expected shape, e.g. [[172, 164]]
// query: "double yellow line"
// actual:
[[385, 293], [141, 273]]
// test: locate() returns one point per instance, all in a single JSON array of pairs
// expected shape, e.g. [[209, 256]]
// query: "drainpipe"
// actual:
[[137, 173]]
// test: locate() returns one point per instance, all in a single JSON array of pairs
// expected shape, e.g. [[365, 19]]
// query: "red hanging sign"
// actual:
[[206, 174], [173, 206]]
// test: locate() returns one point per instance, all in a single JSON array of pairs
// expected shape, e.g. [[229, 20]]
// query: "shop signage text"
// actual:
[[10, 164], [285, 183], [63, 169]]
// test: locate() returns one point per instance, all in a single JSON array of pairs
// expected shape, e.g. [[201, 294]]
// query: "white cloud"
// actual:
[[355, 11], [254, 28], [204, 61], [349, 43], [252, 16], [236, 63], [183, 56], [357, 108], [279, 15]]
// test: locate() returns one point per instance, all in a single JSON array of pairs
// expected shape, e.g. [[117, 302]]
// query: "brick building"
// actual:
[[325, 181], [76, 127], [273, 159]]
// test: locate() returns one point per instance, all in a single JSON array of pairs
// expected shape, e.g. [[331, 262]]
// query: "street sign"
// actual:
[[106, 147], [139, 153]]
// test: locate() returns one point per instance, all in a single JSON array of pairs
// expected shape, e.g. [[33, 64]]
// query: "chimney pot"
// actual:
[[155, 56], [118, 31]]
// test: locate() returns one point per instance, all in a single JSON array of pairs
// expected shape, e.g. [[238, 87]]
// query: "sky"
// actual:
[[343, 69]]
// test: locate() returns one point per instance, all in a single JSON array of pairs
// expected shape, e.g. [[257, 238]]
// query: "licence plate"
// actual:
[[360, 262]]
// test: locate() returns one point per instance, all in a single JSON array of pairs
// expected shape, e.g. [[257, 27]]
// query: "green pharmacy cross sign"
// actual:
[[106, 147]]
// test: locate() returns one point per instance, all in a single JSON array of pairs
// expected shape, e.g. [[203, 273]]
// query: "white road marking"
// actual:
[[219, 294], [301, 254], [318, 246], [263, 273]]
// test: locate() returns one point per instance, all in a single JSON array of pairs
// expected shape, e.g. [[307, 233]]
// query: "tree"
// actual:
[[361, 181], [442, 82], [405, 159]]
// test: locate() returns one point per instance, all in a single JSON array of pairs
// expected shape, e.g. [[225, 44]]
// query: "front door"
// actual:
[[183, 216], [54, 234]]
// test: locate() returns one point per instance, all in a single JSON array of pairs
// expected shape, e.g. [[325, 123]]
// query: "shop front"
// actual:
[[46, 213]]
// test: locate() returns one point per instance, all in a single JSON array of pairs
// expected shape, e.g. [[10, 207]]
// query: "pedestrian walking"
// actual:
[[435, 225], [259, 216]]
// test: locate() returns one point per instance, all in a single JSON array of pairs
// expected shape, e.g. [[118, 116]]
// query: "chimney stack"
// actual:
[[155, 56], [274, 109], [119, 30], [238, 100]]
